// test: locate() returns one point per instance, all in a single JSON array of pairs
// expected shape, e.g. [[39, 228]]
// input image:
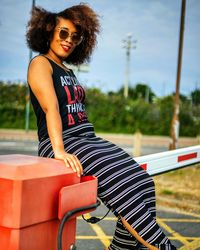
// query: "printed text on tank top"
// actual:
[[75, 107]]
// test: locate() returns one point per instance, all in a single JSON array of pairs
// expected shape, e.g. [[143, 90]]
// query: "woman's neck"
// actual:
[[54, 57]]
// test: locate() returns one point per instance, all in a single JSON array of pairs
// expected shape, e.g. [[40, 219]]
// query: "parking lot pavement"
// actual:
[[182, 229]]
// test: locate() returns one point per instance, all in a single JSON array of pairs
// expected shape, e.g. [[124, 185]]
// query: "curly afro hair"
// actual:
[[41, 27]]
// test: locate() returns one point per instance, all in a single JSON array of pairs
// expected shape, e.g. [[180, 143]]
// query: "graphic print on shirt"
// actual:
[[75, 107]]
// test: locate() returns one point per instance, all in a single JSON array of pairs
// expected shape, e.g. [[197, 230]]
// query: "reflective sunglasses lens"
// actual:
[[76, 38], [63, 34]]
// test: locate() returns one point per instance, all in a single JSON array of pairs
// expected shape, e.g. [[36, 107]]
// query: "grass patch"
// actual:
[[180, 187], [167, 192]]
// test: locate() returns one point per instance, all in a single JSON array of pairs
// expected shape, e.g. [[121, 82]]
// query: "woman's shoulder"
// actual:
[[40, 61]]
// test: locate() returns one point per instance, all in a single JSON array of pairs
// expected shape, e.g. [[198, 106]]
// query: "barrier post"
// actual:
[[137, 144], [198, 139]]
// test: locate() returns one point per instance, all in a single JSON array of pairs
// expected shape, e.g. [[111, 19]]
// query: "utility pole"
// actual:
[[128, 45], [174, 131], [27, 115]]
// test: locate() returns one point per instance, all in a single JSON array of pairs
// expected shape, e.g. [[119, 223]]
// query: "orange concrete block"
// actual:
[[34, 193], [77, 195], [29, 189], [41, 236]]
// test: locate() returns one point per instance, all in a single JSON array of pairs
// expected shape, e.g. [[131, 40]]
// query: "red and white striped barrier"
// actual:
[[170, 160]]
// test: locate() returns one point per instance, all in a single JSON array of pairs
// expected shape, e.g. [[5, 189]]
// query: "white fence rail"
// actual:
[[167, 161]]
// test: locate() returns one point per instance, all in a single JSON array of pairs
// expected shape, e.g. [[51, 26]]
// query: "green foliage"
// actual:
[[111, 112], [12, 106], [196, 97], [105, 111], [140, 91], [165, 111]]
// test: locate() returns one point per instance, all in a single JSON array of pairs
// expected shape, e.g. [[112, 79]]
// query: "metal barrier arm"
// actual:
[[167, 161]]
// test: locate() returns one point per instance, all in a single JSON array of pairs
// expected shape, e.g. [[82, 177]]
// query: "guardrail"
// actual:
[[167, 161]]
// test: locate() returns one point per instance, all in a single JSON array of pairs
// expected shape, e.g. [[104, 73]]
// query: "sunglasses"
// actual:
[[75, 37]]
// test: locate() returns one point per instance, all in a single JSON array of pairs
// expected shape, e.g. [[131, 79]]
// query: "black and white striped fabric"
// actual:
[[123, 185]]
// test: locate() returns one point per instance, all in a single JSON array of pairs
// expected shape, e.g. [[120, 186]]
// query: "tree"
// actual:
[[140, 91], [165, 106], [195, 95]]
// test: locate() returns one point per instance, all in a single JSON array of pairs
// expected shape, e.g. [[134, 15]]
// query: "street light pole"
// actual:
[[27, 115], [174, 131], [128, 45]]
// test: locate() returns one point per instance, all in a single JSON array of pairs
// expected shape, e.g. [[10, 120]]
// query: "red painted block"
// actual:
[[78, 195], [29, 189], [29, 200], [40, 236]]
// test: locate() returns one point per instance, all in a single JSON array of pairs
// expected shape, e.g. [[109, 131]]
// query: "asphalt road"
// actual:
[[182, 229], [30, 148]]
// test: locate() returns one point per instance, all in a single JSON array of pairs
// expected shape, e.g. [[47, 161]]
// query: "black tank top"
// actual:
[[71, 99]]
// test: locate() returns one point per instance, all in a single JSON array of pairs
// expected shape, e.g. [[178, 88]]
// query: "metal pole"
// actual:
[[174, 131], [127, 74], [27, 115], [128, 46]]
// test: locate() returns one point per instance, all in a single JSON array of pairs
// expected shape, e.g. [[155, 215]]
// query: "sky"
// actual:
[[154, 25]]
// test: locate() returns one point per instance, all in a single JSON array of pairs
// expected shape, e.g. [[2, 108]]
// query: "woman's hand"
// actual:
[[70, 160]]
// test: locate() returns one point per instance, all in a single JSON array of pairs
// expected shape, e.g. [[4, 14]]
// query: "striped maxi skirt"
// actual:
[[123, 186]]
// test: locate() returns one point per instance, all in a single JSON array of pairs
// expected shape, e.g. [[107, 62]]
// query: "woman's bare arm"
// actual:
[[41, 83]]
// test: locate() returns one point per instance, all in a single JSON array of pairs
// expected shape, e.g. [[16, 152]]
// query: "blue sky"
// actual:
[[153, 23]]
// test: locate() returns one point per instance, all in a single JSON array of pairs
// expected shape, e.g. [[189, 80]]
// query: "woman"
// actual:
[[66, 134]]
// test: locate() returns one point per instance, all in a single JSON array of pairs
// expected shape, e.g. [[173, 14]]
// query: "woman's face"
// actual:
[[65, 39]]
